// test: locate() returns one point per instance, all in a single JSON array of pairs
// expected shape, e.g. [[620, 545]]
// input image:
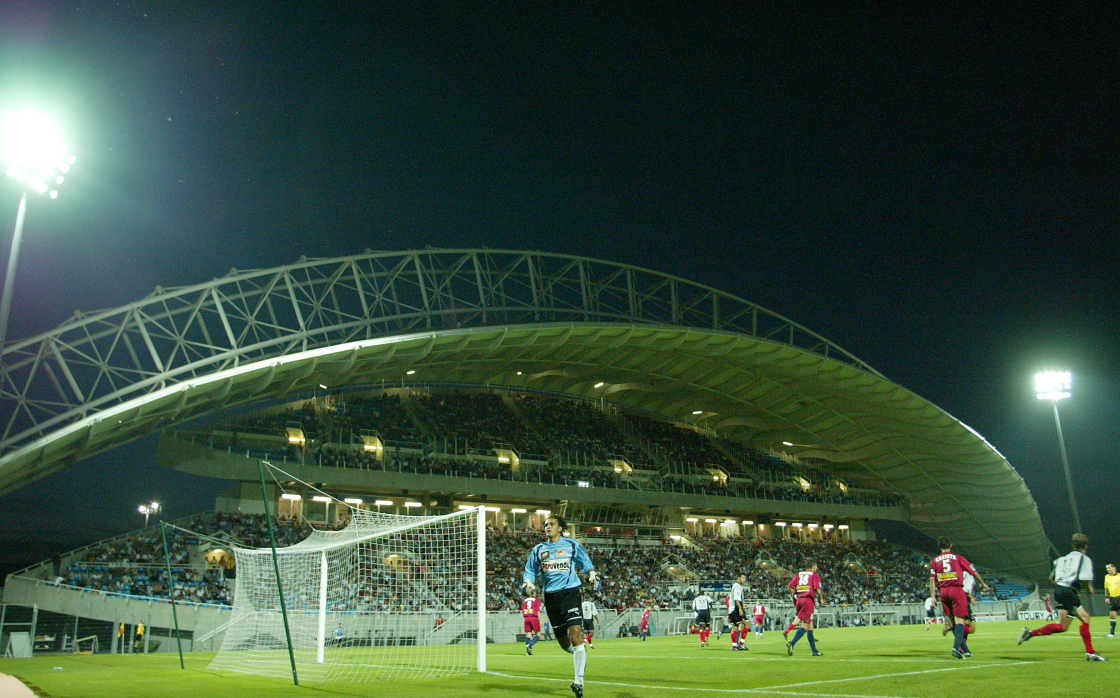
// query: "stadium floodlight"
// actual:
[[692, 519], [697, 411], [518, 511], [413, 504], [33, 153], [600, 384], [748, 523], [1055, 386], [544, 512], [780, 523], [710, 521], [320, 498], [844, 527], [291, 497], [147, 510], [410, 372], [384, 502], [352, 500]]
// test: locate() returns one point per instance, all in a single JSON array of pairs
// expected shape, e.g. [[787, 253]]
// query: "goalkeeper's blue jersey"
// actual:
[[558, 563]]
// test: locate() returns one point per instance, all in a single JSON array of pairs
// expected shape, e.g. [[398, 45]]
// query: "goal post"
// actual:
[[386, 597]]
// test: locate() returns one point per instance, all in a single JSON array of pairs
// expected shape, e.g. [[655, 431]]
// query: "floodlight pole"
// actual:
[[10, 277], [276, 566], [171, 592], [1065, 465]]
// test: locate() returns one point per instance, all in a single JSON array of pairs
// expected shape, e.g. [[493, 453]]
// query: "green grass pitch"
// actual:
[[879, 662]]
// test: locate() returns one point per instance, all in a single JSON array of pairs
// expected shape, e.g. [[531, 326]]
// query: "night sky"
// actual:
[[935, 190]]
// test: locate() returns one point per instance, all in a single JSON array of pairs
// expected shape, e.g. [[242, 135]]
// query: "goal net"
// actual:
[[387, 597]]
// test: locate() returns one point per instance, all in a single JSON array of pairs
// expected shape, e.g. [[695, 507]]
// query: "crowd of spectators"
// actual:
[[853, 572]]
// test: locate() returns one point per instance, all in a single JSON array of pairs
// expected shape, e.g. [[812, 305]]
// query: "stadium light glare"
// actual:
[[780, 523], [545, 512], [748, 523], [729, 521], [697, 411], [147, 510], [1055, 386], [32, 149], [291, 497], [351, 500], [600, 384], [710, 520], [798, 525], [383, 503], [843, 527], [320, 498], [466, 506], [828, 527], [410, 372], [518, 511], [412, 505], [674, 537]]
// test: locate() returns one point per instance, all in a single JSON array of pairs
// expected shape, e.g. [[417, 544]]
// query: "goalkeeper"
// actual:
[[558, 560]]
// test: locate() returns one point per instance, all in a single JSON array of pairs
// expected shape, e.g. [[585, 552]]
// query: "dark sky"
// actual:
[[936, 189]]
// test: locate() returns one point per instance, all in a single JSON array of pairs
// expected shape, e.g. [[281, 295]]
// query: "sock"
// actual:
[[704, 635], [1086, 638], [579, 658], [812, 641], [734, 637], [791, 626], [1112, 626], [800, 634], [958, 636], [1048, 630], [590, 635]]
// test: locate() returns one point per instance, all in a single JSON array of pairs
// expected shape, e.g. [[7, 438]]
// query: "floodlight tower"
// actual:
[[1054, 386], [147, 510], [34, 154]]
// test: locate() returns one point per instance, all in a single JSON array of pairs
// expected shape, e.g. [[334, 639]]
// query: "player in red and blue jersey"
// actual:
[[946, 580], [531, 612], [805, 588], [644, 627]]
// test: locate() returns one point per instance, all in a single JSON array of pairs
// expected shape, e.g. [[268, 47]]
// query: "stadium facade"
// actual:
[[182, 360]]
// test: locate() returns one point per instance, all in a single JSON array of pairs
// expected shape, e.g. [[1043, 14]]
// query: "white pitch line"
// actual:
[[695, 688], [904, 673]]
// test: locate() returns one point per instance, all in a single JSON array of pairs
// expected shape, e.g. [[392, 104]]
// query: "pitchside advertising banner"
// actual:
[[988, 617], [1036, 615]]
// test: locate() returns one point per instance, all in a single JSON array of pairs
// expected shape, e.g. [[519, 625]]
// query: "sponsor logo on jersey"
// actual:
[[544, 554], [562, 553]]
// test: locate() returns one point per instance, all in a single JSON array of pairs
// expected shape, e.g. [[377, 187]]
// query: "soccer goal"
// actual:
[[387, 597]]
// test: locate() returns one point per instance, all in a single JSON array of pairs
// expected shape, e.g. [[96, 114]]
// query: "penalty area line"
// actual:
[[775, 691], [903, 673]]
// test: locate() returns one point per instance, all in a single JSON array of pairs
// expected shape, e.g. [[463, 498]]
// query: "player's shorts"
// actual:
[[1114, 604], [588, 625], [758, 620], [532, 624], [806, 605], [931, 612], [1067, 599], [704, 617], [734, 617], [563, 608], [954, 602]]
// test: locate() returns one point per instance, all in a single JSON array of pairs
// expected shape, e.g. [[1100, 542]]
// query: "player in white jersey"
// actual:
[[702, 604], [590, 615], [1070, 572], [931, 612], [738, 615]]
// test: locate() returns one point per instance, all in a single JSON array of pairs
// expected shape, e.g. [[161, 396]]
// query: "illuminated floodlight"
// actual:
[[709, 520], [843, 527], [466, 506], [384, 503], [729, 521], [410, 372], [1053, 385], [33, 149], [493, 508], [797, 525], [351, 500], [786, 443], [674, 537], [780, 523], [291, 497], [828, 527], [697, 411], [320, 498], [518, 511], [413, 504], [748, 523], [600, 384]]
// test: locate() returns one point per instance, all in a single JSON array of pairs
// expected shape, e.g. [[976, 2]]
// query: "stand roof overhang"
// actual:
[[759, 390]]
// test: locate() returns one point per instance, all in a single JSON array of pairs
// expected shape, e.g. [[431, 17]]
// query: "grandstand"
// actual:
[[685, 434]]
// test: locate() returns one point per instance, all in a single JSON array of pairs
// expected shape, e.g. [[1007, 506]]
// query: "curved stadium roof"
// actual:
[[525, 320]]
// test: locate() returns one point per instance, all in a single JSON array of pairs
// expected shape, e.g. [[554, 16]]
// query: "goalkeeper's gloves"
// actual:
[[528, 588], [593, 577]]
